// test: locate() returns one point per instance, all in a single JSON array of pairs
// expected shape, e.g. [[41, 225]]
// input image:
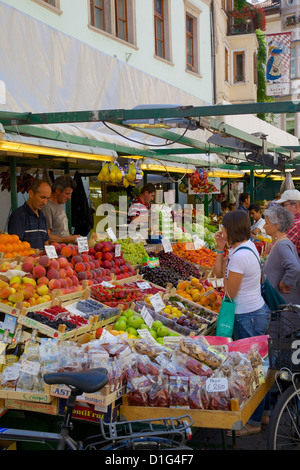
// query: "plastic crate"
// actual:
[[284, 339]]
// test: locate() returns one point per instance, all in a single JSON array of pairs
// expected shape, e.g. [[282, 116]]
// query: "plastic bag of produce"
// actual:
[[179, 392], [138, 389], [159, 392]]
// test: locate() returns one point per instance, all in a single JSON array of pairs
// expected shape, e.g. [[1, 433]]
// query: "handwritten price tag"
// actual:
[[147, 317], [216, 384], [50, 251], [30, 367], [111, 234], [117, 251], [167, 245], [143, 285], [156, 302], [83, 245]]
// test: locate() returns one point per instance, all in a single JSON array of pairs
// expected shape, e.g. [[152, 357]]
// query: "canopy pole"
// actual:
[[13, 183]]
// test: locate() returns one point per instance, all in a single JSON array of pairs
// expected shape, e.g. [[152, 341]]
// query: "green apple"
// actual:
[[128, 313], [131, 331], [162, 331], [144, 327], [135, 321], [120, 325], [160, 340], [153, 333], [157, 324], [123, 318]]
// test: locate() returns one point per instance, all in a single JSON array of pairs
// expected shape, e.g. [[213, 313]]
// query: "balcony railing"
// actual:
[[245, 27]]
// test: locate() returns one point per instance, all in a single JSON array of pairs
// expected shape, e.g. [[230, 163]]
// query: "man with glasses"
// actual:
[[290, 199]]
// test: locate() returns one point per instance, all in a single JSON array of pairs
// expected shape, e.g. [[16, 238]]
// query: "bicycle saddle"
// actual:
[[88, 381]]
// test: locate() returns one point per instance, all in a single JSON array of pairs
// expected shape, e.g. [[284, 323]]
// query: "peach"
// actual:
[[62, 273], [39, 271], [42, 280], [54, 264], [74, 280], [108, 256], [63, 262], [68, 281], [63, 283], [44, 261], [79, 267], [67, 251], [27, 266], [82, 275], [42, 290], [76, 259], [52, 274], [54, 284], [69, 271]]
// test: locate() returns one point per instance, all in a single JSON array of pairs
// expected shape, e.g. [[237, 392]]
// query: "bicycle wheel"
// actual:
[[284, 427], [149, 443]]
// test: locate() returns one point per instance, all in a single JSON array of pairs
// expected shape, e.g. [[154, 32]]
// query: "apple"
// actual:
[[162, 331], [135, 321], [156, 324], [120, 325], [131, 331]]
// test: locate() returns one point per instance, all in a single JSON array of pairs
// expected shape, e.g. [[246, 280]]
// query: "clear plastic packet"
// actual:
[[72, 358], [179, 392], [192, 364], [138, 389], [196, 385], [200, 351], [237, 389], [150, 348], [257, 365], [49, 356], [159, 392]]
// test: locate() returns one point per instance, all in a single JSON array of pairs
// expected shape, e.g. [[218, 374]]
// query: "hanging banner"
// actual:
[[278, 64], [210, 186]]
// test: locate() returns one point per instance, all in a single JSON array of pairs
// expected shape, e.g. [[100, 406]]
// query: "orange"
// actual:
[[26, 245], [9, 248], [15, 238]]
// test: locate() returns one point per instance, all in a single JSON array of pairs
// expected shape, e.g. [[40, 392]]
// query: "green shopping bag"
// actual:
[[225, 321]]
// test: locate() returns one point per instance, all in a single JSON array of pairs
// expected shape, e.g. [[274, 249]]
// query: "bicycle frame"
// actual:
[[36, 436]]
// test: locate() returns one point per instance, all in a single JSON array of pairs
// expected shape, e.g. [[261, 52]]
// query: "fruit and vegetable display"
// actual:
[[11, 246], [133, 253], [160, 275], [56, 316], [115, 296], [203, 256], [201, 292], [131, 322], [175, 263], [90, 307]]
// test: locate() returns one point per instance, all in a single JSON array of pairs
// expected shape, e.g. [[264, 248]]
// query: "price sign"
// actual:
[[216, 384], [107, 284], [107, 337], [111, 234], [50, 251], [167, 245], [145, 334], [197, 242], [147, 317], [156, 302], [143, 285], [83, 245], [117, 251]]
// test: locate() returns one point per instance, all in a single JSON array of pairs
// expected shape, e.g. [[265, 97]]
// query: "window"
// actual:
[[189, 43], [227, 5], [115, 17], [51, 2], [255, 78], [52, 5], [121, 19], [239, 67], [226, 65], [290, 123], [159, 28], [192, 37]]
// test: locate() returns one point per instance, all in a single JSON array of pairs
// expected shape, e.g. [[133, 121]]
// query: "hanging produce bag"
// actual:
[[132, 174]]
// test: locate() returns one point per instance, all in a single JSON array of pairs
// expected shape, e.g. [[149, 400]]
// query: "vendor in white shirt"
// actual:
[[256, 215]]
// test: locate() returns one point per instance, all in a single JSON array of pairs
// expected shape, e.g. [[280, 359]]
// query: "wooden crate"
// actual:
[[50, 408], [28, 396], [216, 419]]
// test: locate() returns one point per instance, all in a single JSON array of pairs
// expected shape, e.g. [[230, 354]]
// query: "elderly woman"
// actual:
[[282, 267]]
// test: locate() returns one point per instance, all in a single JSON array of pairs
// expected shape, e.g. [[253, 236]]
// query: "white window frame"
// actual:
[[294, 62]]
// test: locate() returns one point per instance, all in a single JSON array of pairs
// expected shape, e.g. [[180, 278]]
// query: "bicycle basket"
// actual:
[[284, 332]]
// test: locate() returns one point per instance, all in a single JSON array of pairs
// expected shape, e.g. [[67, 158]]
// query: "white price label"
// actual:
[[216, 384], [167, 245], [30, 367], [50, 251], [111, 234], [147, 317], [198, 243], [143, 285], [83, 245], [117, 251], [107, 337], [156, 302], [145, 334]]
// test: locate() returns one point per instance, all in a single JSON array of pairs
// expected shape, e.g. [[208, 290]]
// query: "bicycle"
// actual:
[[152, 434], [284, 342]]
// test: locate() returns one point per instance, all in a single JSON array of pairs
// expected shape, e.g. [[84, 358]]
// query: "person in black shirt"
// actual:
[[28, 221]]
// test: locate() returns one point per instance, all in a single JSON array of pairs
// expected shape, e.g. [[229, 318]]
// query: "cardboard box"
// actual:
[[91, 413], [99, 399], [48, 408]]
